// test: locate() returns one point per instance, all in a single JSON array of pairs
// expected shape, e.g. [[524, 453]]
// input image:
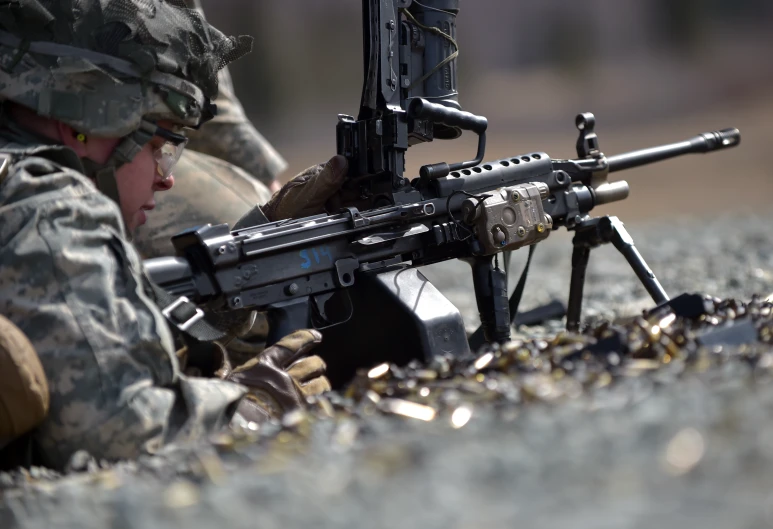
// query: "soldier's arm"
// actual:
[[73, 284], [232, 137]]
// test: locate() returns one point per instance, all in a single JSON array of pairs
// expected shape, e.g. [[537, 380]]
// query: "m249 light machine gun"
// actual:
[[354, 274]]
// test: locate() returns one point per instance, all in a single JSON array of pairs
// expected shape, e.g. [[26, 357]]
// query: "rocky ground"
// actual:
[[552, 432]]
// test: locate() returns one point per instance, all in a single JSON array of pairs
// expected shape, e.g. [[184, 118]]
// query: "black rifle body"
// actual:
[[354, 274], [302, 271]]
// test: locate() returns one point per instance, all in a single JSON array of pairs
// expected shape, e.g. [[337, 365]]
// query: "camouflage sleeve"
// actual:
[[73, 284], [232, 137], [241, 145]]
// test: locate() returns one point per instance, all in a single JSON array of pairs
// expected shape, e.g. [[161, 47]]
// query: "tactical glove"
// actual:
[[307, 193], [281, 377]]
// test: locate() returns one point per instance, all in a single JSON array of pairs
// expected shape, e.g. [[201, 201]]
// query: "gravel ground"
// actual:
[[673, 447]]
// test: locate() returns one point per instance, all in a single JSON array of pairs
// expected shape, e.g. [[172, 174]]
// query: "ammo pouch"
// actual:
[[24, 397]]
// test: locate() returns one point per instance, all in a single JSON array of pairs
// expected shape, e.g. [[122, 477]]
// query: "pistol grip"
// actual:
[[287, 317]]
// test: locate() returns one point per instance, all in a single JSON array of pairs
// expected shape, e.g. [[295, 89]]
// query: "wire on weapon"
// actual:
[[459, 225], [439, 33], [393, 74], [428, 8]]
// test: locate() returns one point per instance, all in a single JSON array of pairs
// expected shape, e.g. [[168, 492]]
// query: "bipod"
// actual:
[[591, 233]]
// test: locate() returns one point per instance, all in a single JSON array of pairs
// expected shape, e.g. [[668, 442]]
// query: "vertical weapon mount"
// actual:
[[409, 96]]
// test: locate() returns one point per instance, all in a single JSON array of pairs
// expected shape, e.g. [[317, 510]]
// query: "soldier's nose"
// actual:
[[165, 185]]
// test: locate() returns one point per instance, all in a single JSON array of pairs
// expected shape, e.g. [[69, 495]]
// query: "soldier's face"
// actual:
[[138, 181]]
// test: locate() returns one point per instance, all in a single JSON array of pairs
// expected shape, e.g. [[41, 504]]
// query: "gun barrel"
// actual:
[[702, 143]]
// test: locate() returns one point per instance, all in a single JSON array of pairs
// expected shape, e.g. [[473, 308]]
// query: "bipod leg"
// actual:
[[595, 232], [612, 230], [580, 257], [586, 237]]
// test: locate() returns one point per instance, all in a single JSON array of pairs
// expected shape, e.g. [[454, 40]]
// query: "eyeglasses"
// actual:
[[169, 153]]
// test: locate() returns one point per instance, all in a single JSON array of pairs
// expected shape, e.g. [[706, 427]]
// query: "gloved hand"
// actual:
[[307, 193], [281, 377]]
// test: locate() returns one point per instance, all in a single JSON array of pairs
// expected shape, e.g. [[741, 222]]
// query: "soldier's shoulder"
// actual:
[[36, 188], [30, 172], [36, 166]]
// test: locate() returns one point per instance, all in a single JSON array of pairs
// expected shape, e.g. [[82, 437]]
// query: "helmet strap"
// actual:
[[103, 174]]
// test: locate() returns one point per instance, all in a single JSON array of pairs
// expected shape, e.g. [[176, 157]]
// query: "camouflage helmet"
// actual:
[[104, 67]]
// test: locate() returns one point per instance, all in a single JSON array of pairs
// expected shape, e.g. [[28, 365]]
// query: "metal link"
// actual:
[[184, 326]]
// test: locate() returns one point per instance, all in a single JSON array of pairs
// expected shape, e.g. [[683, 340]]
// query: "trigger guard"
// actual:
[[326, 307]]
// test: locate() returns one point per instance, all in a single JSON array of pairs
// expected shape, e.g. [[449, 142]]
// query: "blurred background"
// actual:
[[652, 71]]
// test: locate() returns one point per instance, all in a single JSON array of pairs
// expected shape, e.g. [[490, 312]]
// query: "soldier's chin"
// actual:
[[142, 218], [138, 219]]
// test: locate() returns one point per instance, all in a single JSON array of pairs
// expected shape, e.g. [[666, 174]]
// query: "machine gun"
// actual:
[[353, 274]]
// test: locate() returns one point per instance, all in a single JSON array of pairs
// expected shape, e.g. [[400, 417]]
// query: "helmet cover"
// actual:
[[102, 66]]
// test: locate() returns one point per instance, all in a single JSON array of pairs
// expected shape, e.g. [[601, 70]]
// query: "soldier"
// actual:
[[95, 96]]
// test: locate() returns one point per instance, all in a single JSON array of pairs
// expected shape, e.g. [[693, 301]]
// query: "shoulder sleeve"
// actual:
[[231, 136], [242, 145]]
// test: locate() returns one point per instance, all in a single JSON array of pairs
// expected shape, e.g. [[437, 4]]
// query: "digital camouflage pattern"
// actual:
[[102, 66], [206, 190], [74, 285], [231, 136]]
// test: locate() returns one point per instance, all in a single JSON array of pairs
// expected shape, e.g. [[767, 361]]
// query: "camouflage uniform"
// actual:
[[74, 285], [69, 279], [232, 137]]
